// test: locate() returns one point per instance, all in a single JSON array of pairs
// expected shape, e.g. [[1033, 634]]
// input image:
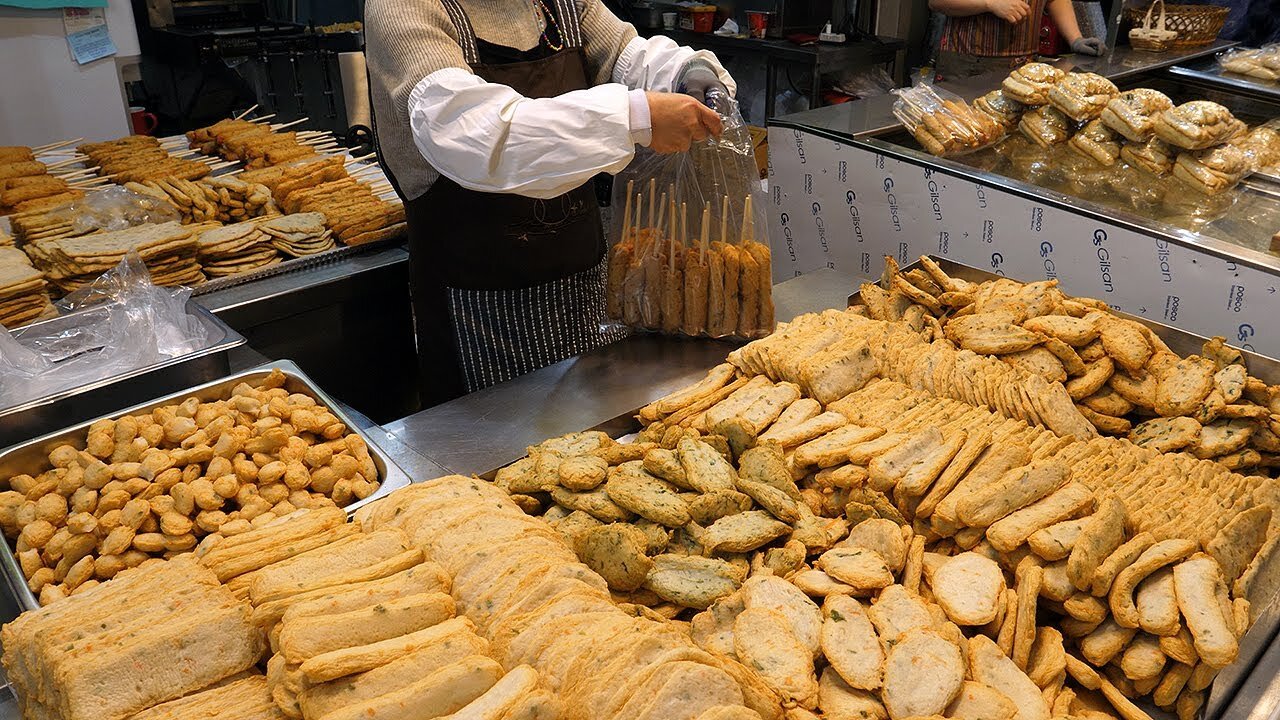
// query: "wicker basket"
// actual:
[[1152, 33], [1196, 25]]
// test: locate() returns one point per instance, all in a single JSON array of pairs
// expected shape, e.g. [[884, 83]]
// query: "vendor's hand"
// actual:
[[1011, 11], [698, 79], [1088, 46], [677, 121]]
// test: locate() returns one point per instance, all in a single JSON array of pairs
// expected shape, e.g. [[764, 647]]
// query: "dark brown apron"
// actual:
[[504, 284]]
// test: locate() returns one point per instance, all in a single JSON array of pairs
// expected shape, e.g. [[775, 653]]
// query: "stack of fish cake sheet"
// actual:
[[24, 295], [248, 698], [234, 249], [152, 635], [299, 234], [168, 250]]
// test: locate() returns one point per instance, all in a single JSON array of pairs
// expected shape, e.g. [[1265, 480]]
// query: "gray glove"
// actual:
[[698, 80], [1088, 46]]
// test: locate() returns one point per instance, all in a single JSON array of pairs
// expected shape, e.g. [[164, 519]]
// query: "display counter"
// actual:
[[873, 116], [599, 389], [849, 185], [603, 389]]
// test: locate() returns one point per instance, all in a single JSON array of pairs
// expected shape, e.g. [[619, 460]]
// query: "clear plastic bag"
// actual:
[[943, 123], [1263, 64], [691, 253], [117, 324]]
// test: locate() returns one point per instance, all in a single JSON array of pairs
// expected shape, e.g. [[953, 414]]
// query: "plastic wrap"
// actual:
[[1261, 146], [943, 123], [1263, 64], [113, 208], [121, 323], [691, 254]]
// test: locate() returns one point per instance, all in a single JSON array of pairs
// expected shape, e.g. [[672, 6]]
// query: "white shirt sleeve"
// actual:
[[655, 64], [488, 137]]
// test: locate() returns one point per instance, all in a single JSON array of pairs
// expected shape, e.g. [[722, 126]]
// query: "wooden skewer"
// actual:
[[291, 123], [626, 213], [264, 118], [706, 229], [639, 211], [185, 153], [90, 183], [724, 221], [684, 225], [676, 245], [656, 248], [748, 223], [220, 165], [77, 173], [362, 170], [653, 195], [362, 157], [64, 163], [54, 146], [246, 112]]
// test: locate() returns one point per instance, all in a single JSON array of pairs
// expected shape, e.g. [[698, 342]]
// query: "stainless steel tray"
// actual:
[[1267, 613], [32, 457], [45, 414]]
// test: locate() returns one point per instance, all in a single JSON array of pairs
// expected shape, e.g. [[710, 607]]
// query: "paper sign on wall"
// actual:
[[87, 34]]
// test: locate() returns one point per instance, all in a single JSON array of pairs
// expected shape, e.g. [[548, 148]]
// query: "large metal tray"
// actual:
[[45, 414], [1267, 613], [32, 457]]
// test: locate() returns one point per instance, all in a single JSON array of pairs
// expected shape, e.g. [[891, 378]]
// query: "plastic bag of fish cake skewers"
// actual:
[[690, 252], [943, 123]]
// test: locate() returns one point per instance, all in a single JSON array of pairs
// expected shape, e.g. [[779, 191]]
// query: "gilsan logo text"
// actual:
[[893, 205], [1046, 254], [982, 195], [1104, 259], [935, 199], [785, 220], [1162, 259], [850, 197], [799, 145], [822, 228]]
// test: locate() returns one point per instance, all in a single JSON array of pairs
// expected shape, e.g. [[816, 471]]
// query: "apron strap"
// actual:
[[466, 33]]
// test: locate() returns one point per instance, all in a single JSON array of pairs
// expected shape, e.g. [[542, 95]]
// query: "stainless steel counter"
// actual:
[[874, 115], [488, 429]]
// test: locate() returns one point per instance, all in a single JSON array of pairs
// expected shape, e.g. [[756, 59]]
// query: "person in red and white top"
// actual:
[[982, 36]]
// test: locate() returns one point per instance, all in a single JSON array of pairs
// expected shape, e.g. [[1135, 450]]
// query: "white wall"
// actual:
[[44, 95]]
